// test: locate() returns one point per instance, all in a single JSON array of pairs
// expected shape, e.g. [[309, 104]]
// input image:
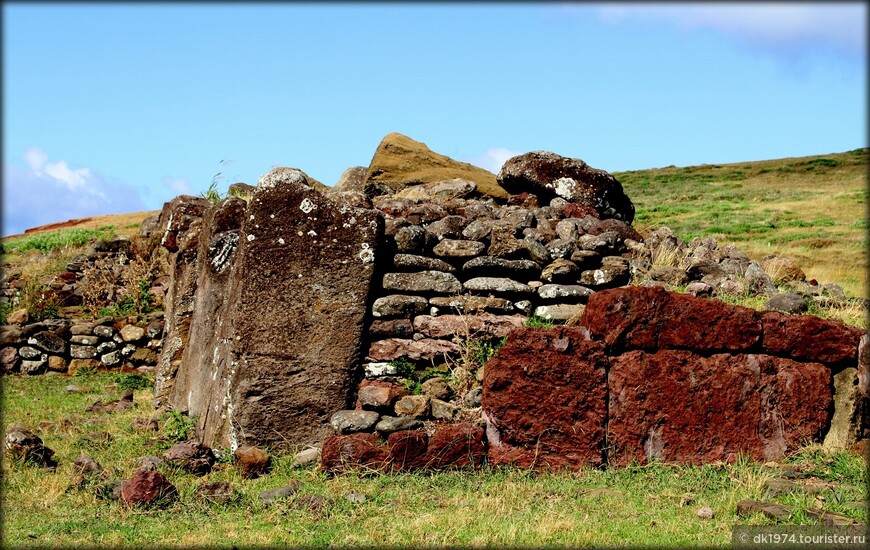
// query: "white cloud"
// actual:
[[47, 192], [76, 179], [178, 186], [493, 158], [789, 27], [36, 159]]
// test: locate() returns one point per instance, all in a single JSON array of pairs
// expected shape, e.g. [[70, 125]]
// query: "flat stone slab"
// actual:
[[429, 282], [499, 285], [447, 326], [395, 305], [424, 349], [421, 263], [769, 509], [564, 292]]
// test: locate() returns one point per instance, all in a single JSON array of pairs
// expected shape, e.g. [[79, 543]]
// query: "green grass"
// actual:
[[640, 505], [57, 240], [793, 207]]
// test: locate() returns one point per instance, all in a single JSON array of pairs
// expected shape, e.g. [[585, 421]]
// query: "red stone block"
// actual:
[[341, 453], [544, 397], [651, 318], [676, 406], [810, 338]]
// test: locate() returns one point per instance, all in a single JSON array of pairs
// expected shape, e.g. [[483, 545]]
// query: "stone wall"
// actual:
[[65, 346], [299, 312], [647, 376], [71, 342], [456, 268]]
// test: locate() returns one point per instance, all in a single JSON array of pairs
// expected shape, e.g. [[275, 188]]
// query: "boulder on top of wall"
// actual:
[[550, 175], [440, 191], [352, 179], [401, 162], [621, 228]]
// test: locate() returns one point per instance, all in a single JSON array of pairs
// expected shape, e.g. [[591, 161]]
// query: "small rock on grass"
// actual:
[[282, 492], [252, 461], [150, 463], [217, 491], [144, 425], [148, 488], [22, 444], [307, 457], [191, 456], [357, 498], [312, 503], [706, 513]]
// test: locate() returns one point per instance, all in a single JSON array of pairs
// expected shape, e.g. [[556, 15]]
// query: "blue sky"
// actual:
[[111, 108]]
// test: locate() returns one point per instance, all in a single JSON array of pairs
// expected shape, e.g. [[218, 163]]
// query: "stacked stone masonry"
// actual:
[[647, 376], [65, 346]]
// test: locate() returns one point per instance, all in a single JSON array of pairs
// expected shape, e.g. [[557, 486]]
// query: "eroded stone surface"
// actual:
[[303, 265], [810, 338], [651, 318], [544, 400], [678, 406]]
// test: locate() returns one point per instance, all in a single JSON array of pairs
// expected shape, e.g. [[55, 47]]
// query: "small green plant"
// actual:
[[40, 301], [537, 322], [482, 351], [413, 386], [85, 371], [179, 427], [212, 193], [403, 367], [5, 310], [132, 381]]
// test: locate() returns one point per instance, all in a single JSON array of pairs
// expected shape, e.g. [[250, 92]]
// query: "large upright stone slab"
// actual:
[[209, 339], [179, 226], [280, 317]]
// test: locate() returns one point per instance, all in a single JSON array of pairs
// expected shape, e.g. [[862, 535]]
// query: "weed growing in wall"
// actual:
[[538, 322]]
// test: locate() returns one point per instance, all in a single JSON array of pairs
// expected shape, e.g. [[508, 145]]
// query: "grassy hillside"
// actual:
[[813, 209]]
